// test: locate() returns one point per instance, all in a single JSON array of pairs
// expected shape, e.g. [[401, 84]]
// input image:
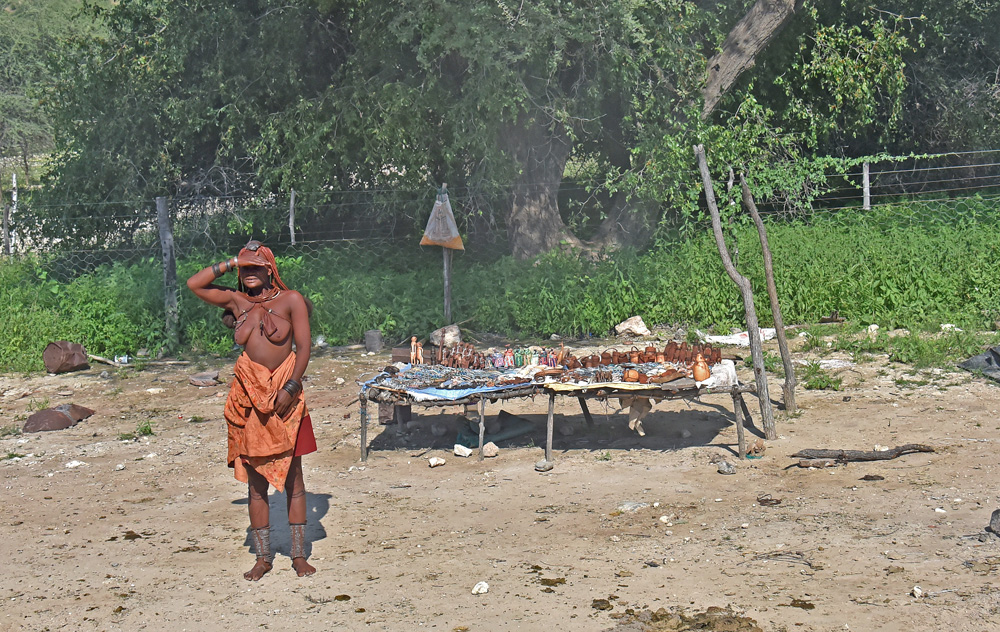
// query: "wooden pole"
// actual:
[[291, 218], [741, 441], [788, 389], [447, 285], [867, 189], [753, 328], [6, 224], [482, 426], [169, 273], [549, 423], [363, 401]]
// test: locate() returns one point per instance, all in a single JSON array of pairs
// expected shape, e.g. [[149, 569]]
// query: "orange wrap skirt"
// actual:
[[257, 436]]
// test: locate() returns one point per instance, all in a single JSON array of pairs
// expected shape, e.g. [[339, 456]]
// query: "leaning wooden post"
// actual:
[[169, 273], [788, 389], [291, 218], [753, 328]]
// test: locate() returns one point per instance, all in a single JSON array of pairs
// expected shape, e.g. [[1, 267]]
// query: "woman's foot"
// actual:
[[259, 570], [302, 567]]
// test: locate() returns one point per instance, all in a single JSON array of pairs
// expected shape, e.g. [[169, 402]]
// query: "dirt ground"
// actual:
[[625, 533]]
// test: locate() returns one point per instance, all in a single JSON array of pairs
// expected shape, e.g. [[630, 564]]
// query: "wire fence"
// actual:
[[75, 238]]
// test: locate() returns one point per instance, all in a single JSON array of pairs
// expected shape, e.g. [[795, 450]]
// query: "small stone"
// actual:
[[544, 466], [940, 510], [995, 522], [119, 467], [665, 519], [601, 604], [745, 525], [480, 588], [727, 468], [339, 381], [154, 391], [490, 450], [73, 464], [917, 592], [462, 451], [435, 461]]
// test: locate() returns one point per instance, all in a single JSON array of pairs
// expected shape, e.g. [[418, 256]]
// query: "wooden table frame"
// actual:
[[680, 389]]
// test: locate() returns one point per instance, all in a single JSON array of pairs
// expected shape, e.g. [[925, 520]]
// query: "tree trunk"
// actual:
[[788, 389], [753, 327], [534, 225], [629, 224], [745, 41]]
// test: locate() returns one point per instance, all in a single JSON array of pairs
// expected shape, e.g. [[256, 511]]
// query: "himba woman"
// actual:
[[268, 425]]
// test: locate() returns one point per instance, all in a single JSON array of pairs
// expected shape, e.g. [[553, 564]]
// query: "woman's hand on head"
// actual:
[[250, 260]]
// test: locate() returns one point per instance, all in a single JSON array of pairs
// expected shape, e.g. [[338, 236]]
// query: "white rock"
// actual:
[[446, 336], [435, 461], [461, 450], [339, 381], [119, 467], [633, 326], [490, 450], [664, 519], [940, 510], [481, 588], [73, 464], [917, 592], [154, 391]]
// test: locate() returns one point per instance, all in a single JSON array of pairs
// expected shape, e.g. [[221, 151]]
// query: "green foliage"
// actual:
[[815, 378], [10, 431], [911, 266], [142, 429]]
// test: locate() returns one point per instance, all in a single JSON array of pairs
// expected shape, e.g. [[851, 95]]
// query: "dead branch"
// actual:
[[844, 456]]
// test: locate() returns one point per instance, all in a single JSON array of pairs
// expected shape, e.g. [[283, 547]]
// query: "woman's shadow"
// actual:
[[317, 506]]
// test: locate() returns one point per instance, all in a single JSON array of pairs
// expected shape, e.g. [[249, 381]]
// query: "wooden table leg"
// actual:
[[482, 426], [364, 427], [548, 427], [740, 437], [586, 412], [746, 411]]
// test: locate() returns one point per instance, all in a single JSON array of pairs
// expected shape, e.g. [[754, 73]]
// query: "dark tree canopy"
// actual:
[[573, 121]]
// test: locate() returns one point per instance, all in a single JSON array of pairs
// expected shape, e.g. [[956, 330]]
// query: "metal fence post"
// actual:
[[867, 189], [291, 218], [169, 274]]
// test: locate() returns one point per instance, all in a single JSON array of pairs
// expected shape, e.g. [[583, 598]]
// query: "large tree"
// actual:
[[541, 110]]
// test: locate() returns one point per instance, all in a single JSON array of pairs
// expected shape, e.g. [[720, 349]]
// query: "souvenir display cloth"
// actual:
[[441, 227], [258, 437]]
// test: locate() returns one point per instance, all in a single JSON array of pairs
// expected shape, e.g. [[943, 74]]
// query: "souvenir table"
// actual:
[[435, 385]]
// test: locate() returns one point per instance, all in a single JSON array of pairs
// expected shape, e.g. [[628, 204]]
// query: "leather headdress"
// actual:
[[254, 246]]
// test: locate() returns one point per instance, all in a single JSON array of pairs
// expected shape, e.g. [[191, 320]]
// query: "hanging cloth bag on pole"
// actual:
[[441, 227]]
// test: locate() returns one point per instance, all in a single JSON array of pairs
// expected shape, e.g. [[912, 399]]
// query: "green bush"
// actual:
[[900, 266]]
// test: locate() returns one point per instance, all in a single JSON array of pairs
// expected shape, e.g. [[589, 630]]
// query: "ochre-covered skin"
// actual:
[[258, 436]]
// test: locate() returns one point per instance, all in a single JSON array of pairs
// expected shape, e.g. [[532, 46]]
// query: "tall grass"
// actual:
[[895, 267]]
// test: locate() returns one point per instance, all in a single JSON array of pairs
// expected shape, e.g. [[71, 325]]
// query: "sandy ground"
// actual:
[[104, 534]]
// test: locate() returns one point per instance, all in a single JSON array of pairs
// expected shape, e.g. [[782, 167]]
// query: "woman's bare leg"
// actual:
[[259, 520], [295, 493]]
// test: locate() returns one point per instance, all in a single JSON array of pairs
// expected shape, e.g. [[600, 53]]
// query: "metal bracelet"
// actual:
[[292, 387], [216, 271]]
